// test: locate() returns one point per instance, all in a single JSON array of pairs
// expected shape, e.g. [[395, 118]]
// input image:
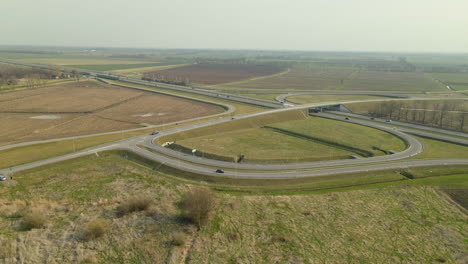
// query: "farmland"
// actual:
[[409, 223], [87, 107], [215, 73], [296, 141], [341, 79]]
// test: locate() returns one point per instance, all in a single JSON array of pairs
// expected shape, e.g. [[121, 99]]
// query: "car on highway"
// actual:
[[154, 133], [219, 171], [2, 177], [388, 121], [346, 118]]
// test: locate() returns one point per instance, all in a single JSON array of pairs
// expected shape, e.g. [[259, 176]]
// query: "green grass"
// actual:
[[318, 98], [434, 149], [460, 87], [237, 124], [260, 145], [451, 77], [305, 139], [22, 155], [401, 225], [344, 133]]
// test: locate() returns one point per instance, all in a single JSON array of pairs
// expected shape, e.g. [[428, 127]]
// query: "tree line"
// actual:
[[32, 77], [158, 77], [447, 114]]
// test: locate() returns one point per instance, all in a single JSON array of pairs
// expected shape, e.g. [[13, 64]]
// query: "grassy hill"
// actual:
[[413, 223]]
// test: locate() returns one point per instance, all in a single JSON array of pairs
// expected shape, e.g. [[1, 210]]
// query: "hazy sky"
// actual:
[[349, 25]]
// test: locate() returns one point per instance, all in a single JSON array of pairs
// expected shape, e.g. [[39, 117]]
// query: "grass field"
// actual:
[[87, 107], [237, 124], [408, 223], [451, 78], [434, 149], [460, 87], [217, 73], [260, 145], [310, 139], [360, 137], [325, 79], [317, 98]]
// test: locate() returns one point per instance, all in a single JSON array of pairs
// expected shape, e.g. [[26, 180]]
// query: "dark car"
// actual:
[[346, 118], [219, 171], [154, 133]]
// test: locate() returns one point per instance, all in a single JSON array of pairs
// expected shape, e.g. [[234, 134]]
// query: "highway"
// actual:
[[171, 87], [284, 97], [260, 171], [455, 137]]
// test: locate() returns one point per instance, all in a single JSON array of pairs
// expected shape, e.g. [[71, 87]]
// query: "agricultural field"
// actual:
[[318, 98], [310, 139], [82, 221], [87, 107], [210, 74], [451, 78], [340, 79]]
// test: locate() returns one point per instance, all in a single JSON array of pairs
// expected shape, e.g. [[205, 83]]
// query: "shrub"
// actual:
[[134, 204], [178, 239], [96, 229], [33, 219], [198, 205]]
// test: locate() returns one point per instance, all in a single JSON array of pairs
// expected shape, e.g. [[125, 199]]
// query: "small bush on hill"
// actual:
[[135, 204], [33, 219], [96, 229], [198, 205]]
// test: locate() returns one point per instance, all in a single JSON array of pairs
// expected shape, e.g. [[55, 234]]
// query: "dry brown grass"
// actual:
[[67, 97], [217, 73], [108, 108]]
